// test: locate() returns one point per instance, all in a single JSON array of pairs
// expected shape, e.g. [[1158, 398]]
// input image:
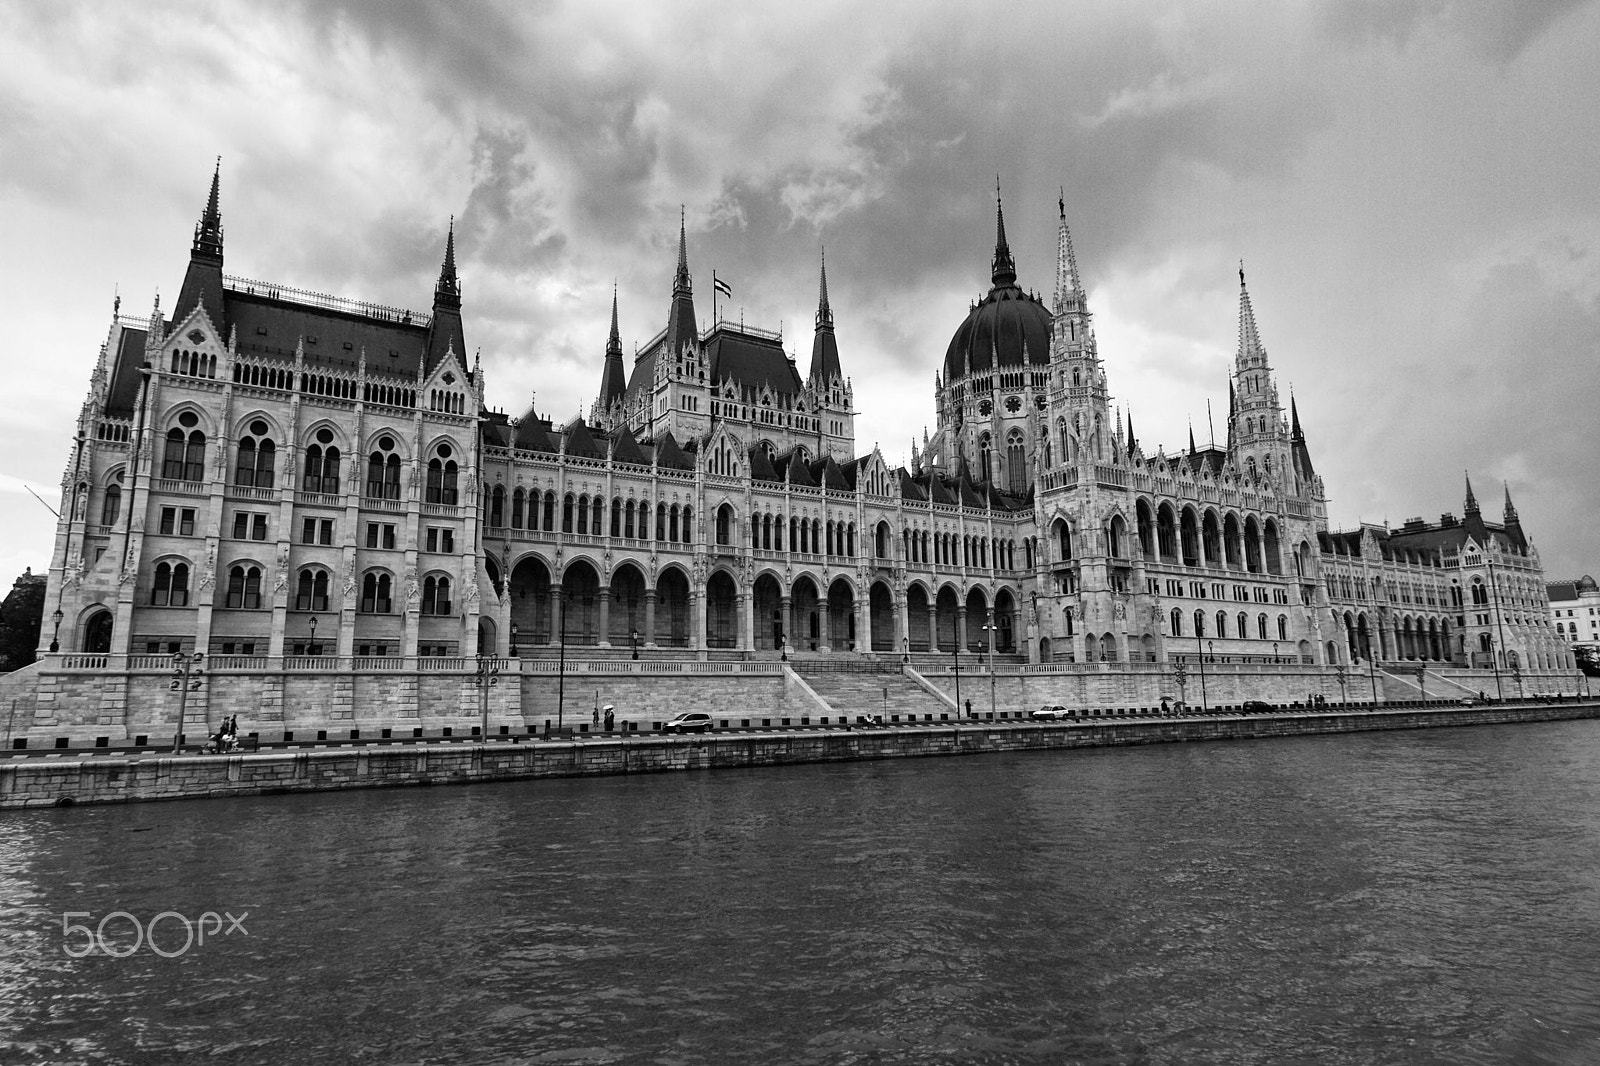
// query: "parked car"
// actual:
[[1052, 713], [1468, 701], [1258, 707], [689, 722]]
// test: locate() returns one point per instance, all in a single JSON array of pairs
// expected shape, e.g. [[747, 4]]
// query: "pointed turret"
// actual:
[[1514, 524], [1004, 269], [824, 348], [613, 379], [1472, 499], [1299, 454], [202, 282], [1133, 441], [1472, 517], [681, 329], [445, 335], [1069, 286], [1251, 351]]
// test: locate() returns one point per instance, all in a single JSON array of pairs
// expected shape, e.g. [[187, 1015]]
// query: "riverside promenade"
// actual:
[[94, 776]]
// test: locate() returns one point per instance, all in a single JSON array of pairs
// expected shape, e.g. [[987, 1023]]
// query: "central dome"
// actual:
[[1007, 328]]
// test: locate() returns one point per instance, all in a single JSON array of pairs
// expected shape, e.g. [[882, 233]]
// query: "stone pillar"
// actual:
[[697, 619], [558, 613], [933, 627], [649, 618], [786, 606], [988, 633], [605, 617], [744, 622], [863, 641], [961, 626]]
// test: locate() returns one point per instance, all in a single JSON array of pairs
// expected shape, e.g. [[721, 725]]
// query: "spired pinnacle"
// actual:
[[824, 312], [1472, 500], [1069, 286], [449, 284], [1004, 270], [681, 280], [208, 231]]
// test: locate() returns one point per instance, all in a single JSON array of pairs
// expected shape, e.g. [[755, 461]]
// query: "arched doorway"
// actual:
[[1005, 620], [530, 601], [768, 616], [880, 605], [806, 606], [580, 619], [486, 644], [627, 606], [975, 638], [947, 606], [841, 628], [722, 611], [97, 633], [672, 609], [917, 618]]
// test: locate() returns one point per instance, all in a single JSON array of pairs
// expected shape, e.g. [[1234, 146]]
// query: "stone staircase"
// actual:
[[889, 694]]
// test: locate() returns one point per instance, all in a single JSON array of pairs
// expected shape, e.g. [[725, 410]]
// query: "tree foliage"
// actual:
[[21, 615]]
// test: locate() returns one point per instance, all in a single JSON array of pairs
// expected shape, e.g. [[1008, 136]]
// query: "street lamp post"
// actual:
[[1494, 661], [905, 651], [1274, 653], [1340, 676], [513, 640], [989, 632], [311, 645], [55, 639], [783, 646], [1516, 675], [561, 670], [187, 674], [1202, 657], [633, 635], [1372, 675], [955, 653], [1180, 674], [487, 676]]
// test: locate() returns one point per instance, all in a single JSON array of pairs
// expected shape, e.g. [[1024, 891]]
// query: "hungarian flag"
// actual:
[[721, 286]]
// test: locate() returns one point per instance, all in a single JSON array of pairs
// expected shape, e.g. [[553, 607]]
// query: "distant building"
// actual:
[[1575, 610]]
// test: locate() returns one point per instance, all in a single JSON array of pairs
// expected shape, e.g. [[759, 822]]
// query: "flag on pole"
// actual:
[[721, 286]]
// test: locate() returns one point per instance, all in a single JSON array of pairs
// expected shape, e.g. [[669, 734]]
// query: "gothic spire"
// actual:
[[202, 281], [1251, 351], [825, 366], [1132, 440], [449, 284], [613, 378], [208, 231], [681, 328], [1511, 508], [824, 312], [1472, 501], [680, 282], [1299, 453], [1004, 269], [1514, 524], [1069, 286]]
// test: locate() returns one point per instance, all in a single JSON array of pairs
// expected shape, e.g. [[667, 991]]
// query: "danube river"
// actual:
[[1420, 897]]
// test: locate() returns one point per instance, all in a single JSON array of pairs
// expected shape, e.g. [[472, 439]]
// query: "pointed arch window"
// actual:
[[436, 595], [244, 588], [111, 506], [383, 471], [311, 591], [254, 466], [185, 455], [1016, 463], [442, 479], [171, 585], [376, 594]]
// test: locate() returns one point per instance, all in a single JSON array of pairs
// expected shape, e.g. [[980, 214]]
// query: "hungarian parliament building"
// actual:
[[265, 472]]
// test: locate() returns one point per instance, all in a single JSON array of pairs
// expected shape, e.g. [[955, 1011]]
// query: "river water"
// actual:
[[1420, 897]]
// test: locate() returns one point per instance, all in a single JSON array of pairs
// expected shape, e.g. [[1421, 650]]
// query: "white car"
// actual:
[[1053, 713], [689, 722]]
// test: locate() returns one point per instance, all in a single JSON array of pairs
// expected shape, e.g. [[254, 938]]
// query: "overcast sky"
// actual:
[[1414, 189]]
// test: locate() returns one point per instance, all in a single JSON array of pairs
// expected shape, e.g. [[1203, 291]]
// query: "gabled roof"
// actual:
[[625, 449], [761, 468], [670, 455], [910, 489], [794, 469], [828, 474], [580, 442]]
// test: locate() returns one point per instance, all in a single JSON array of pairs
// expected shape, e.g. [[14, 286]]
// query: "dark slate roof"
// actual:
[[668, 454], [533, 434], [795, 470], [581, 443], [271, 326], [123, 394], [829, 476], [761, 468], [1562, 591], [626, 449], [909, 487], [751, 360]]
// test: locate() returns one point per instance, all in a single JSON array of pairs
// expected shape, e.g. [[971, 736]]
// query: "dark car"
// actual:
[[689, 722], [1258, 707]]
